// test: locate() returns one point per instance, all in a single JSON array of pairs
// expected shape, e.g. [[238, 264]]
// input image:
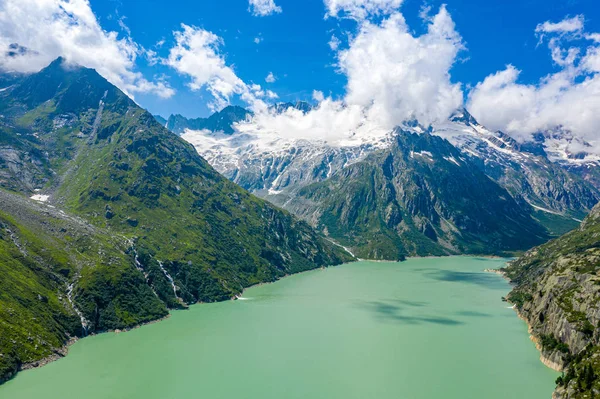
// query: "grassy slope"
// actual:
[[212, 237], [42, 251], [136, 189]]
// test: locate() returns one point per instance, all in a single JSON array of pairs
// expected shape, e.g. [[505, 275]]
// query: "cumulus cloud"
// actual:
[[569, 98], [393, 76], [69, 28], [361, 9], [270, 78], [332, 122], [399, 76], [318, 96], [197, 55], [262, 8]]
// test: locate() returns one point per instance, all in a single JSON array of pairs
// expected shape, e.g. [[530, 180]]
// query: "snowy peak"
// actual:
[[275, 161], [463, 116], [298, 105], [562, 146], [221, 121]]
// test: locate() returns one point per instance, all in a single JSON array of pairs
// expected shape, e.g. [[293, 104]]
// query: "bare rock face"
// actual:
[[558, 294]]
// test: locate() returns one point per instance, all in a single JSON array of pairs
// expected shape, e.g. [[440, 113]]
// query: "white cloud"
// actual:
[[332, 122], [124, 26], [392, 76], [262, 8], [361, 9], [152, 57], [334, 43], [399, 76], [568, 25], [318, 96], [569, 98], [270, 78], [69, 28], [425, 11], [197, 54]]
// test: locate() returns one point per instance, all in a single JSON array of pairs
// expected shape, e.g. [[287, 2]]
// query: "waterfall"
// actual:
[[168, 276], [140, 267], [138, 264], [84, 322]]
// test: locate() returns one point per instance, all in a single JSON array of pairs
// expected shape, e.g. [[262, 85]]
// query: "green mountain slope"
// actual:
[[157, 227], [418, 198], [558, 292], [42, 252]]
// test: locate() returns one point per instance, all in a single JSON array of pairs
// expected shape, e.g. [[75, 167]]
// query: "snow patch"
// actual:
[[453, 160], [421, 154], [40, 197], [539, 208]]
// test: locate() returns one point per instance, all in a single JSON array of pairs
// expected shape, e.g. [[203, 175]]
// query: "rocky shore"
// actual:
[[557, 292], [64, 350]]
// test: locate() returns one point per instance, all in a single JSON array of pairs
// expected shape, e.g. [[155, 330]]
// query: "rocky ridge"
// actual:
[[558, 293]]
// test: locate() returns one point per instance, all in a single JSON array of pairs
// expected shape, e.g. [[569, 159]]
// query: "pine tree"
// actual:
[[589, 376]]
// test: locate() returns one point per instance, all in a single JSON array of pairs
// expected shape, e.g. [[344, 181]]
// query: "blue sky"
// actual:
[[294, 43], [518, 66]]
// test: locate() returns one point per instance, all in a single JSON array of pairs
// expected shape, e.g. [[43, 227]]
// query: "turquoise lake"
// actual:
[[423, 329]]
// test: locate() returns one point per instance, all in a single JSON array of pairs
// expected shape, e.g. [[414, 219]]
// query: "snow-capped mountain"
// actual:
[[525, 169], [572, 153], [275, 165]]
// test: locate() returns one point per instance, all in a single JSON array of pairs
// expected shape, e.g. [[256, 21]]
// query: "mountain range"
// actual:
[[534, 177], [107, 219]]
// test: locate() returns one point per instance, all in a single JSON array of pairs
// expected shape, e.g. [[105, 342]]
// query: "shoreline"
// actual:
[[64, 350], [545, 361]]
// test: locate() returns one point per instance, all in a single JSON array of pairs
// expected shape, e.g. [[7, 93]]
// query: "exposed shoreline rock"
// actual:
[[557, 293], [64, 350], [547, 361]]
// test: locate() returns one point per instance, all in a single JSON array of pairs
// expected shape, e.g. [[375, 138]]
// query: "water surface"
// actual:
[[423, 329]]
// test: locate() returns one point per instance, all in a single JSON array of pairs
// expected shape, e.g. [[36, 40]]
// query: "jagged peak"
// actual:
[[464, 116]]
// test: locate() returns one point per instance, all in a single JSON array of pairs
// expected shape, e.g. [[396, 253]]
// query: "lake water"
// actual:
[[423, 329]]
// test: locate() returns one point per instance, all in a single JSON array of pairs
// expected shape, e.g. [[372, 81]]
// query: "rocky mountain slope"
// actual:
[[221, 121], [419, 197], [526, 170], [138, 222], [276, 166], [558, 291]]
